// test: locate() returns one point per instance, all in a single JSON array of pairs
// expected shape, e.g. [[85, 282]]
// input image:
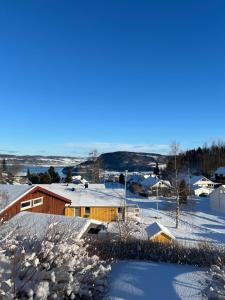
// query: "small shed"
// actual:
[[158, 233]]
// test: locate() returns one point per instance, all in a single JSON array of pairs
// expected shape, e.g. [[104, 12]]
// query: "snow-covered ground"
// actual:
[[197, 221], [135, 280]]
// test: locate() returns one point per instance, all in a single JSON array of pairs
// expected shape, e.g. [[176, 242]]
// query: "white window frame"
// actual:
[[37, 204], [27, 207]]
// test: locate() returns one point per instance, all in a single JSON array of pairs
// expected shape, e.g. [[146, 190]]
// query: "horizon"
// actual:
[[112, 76]]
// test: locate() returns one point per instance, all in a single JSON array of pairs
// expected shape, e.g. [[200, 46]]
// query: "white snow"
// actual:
[[198, 222], [136, 280], [94, 195]]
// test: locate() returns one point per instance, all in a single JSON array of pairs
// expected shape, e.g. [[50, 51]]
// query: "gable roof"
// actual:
[[10, 193], [92, 196], [156, 228], [37, 223], [220, 170]]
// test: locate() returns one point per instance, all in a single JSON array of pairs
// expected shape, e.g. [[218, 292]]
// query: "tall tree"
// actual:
[[122, 179], [69, 178], [4, 165], [55, 178], [156, 170]]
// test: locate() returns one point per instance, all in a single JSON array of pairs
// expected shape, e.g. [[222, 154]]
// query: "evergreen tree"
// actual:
[[28, 173], [156, 170], [45, 178], [4, 165], [122, 179], [55, 178], [68, 178], [34, 178], [183, 192]]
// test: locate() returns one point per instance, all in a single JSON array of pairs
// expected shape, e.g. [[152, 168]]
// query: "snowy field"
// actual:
[[144, 281], [197, 221]]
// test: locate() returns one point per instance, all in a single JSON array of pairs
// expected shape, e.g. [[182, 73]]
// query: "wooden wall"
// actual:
[[51, 205], [162, 238], [106, 214]]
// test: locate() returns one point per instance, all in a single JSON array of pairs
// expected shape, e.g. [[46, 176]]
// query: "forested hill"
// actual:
[[203, 160], [124, 160]]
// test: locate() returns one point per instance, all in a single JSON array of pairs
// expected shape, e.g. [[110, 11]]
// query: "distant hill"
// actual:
[[39, 160], [124, 160]]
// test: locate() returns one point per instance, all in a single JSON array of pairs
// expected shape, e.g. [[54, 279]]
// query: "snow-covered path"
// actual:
[[135, 280]]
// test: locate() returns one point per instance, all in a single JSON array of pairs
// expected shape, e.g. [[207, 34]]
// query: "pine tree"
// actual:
[[45, 178], [121, 179], [55, 178], [156, 169], [28, 173], [68, 178], [4, 165], [183, 192]]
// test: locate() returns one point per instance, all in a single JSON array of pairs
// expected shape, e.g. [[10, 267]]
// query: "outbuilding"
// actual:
[[158, 233]]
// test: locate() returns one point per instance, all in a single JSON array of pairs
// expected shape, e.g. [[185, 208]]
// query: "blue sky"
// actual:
[[111, 75]]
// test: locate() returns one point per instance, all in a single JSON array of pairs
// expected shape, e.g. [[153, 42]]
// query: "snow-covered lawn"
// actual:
[[145, 280], [197, 222]]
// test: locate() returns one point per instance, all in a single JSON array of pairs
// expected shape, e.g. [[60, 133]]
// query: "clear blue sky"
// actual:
[[115, 74]]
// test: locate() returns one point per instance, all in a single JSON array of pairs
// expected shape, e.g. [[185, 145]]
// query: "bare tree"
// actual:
[[175, 148]]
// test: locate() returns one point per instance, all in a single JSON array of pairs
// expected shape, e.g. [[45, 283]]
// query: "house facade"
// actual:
[[217, 199], [17, 198], [220, 175], [95, 202]]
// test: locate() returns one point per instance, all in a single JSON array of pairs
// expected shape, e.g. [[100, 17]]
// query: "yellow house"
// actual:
[[95, 202], [158, 233], [100, 213]]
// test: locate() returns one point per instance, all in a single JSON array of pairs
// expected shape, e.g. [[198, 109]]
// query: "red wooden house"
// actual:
[[17, 198]]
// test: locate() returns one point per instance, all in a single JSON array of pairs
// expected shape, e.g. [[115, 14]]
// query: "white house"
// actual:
[[152, 183], [200, 184], [217, 199], [220, 175]]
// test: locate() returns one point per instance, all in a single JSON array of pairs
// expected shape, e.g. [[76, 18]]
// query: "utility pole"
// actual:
[[125, 194]]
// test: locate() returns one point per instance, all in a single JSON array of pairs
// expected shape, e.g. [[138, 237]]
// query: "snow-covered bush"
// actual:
[[215, 283], [199, 255], [56, 266]]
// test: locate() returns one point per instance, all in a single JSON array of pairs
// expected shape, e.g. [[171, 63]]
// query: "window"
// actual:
[[25, 204], [87, 210], [120, 210], [38, 201]]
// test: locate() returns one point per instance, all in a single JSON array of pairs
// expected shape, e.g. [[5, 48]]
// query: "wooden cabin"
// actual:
[[158, 233], [18, 198], [95, 202]]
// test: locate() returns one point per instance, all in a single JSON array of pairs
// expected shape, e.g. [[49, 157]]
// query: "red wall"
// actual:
[[51, 205]]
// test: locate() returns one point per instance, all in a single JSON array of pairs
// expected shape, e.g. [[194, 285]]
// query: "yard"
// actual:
[[198, 223], [145, 280]]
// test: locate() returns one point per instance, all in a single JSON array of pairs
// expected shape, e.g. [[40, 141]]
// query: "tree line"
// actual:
[[201, 161]]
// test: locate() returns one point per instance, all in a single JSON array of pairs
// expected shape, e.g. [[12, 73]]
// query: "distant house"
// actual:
[[220, 175], [17, 198], [21, 177], [153, 183], [217, 199], [95, 202], [158, 233], [200, 184]]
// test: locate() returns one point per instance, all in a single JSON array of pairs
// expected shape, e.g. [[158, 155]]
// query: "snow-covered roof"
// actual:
[[9, 193], [92, 196], [220, 170], [156, 228], [150, 181], [38, 223]]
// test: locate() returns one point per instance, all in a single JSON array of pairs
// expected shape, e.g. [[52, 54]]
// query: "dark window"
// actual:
[[120, 210], [87, 210]]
